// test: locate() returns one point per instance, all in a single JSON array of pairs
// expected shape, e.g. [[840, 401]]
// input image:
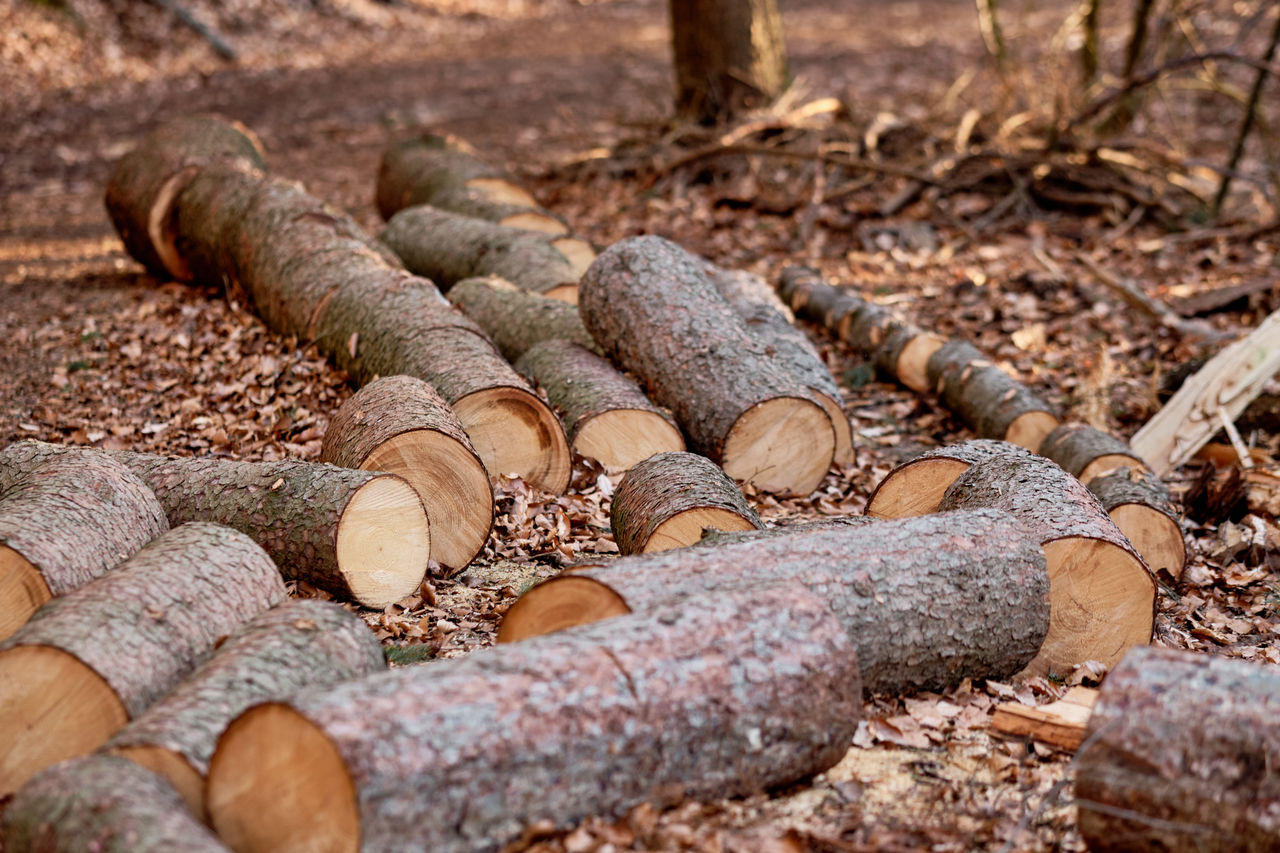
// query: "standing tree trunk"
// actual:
[[729, 56]]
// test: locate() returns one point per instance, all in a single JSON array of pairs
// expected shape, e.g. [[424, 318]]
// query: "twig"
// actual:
[[1237, 443], [1154, 308], [1089, 51], [1250, 113], [989, 23], [219, 45]]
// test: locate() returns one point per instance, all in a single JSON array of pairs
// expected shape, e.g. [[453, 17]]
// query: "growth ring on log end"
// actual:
[[383, 541], [559, 603], [516, 433], [916, 486], [781, 445]]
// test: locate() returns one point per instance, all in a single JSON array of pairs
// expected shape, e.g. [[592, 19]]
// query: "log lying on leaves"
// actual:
[[724, 696], [671, 499], [916, 486], [297, 645], [1103, 595], [1087, 453], [607, 416], [516, 319], [104, 804], [652, 308], [1138, 502], [987, 399], [927, 601], [63, 522], [91, 660], [399, 424], [1182, 753]]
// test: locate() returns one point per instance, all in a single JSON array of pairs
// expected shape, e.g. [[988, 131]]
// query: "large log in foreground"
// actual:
[[987, 399], [652, 308], [100, 655], [916, 486], [722, 696], [1182, 753], [927, 601]]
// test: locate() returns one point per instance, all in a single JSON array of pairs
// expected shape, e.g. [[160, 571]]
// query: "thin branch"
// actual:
[[1250, 111], [1152, 307], [183, 14]]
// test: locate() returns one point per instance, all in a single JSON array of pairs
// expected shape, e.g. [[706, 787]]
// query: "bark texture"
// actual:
[[1074, 446], [516, 319], [713, 538], [724, 696], [104, 804], [1133, 486], [980, 393], [729, 56], [916, 486], [665, 485], [1182, 754], [812, 299]]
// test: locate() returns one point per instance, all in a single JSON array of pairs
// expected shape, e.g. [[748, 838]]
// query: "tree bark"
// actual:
[[1138, 502], [652, 308], [985, 398], [100, 655], [916, 486], [1103, 594], [104, 804], [724, 696], [729, 57], [1087, 453], [1181, 754], [606, 415], [399, 424], [927, 602], [516, 319], [297, 645], [670, 500]]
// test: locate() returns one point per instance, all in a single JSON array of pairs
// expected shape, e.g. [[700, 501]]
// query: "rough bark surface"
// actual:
[[812, 299], [729, 56], [713, 538], [1182, 754], [980, 393], [724, 696], [665, 485], [1074, 446], [104, 804], [916, 486], [516, 319], [1133, 486]]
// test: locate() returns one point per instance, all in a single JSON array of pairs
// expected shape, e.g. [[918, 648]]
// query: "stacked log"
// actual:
[[1087, 453], [721, 696], [516, 319], [92, 659], [986, 398], [927, 601], [916, 487], [651, 307]]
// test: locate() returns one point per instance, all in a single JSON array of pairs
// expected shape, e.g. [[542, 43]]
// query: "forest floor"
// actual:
[[574, 98]]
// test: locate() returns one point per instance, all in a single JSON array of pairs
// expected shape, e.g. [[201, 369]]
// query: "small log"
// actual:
[[516, 319], [927, 601], [104, 804], [672, 499], [1061, 723], [63, 522], [606, 415], [449, 247], [1087, 453], [1103, 594], [916, 486], [294, 646], [399, 424], [985, 398], [1182, 754], [1138, 502], [652, 308], [92, 659], [724, 696]]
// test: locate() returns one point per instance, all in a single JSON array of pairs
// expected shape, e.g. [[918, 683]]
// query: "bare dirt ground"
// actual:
[[574, 98]]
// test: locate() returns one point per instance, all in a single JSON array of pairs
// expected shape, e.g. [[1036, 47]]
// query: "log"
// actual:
[[606, 415], [104, 804], [1181, 754], [1139, 503], [63, 522], [987, 399], [92, 659], [927, 601], [516, 319], [653, 310], [294, 646], [671, 500], [1103, 594], [145, 182], [1087, 453], [399, 424], [916, 486], [726, 696]]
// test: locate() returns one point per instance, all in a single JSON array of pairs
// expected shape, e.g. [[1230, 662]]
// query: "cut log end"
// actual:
[[577, 252], [843, 453], [557, 604], [22, 591], [501, 191], [567, 292], [1030, 428], [383, 542], [915, 488], [1154, 535], [52, 707], [622, 437], [514, 432], [1108, 463], [533, 221], [781, 445], [184, 778], [271, 753], [160, 224], [912, 370], [687, 528]]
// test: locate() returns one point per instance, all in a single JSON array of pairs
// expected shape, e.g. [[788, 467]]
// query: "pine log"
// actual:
[[1139, 503], [516, 319], [295, 646], [399, 424], [63, 522], [770, 321], [927, 601], [711, 538], [1087, 453], [606, 415], [449, 247], [92, 659], [1182, 753], [1103, 595], [724, 696], [987, 399], [916, 486], [103, 804], [145, 182], [652, 308]]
